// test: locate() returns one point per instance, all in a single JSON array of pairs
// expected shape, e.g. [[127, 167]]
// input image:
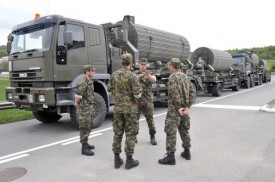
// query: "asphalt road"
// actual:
[[231, 141]]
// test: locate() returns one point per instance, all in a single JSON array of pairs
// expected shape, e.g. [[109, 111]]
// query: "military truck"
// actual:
[[246, 66], [265, 74], [214, 68], [46, 56]]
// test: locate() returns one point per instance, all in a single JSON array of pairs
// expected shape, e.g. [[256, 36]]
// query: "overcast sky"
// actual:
[[218, 24]]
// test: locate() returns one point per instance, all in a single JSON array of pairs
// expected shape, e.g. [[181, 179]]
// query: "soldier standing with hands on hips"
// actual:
[[146, 102], [181, 95], [125, 88], [84, 99]]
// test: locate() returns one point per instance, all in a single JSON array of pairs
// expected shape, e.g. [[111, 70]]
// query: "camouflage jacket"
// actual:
[[180, 92], [85, 90], [124, 86], [146, 86]]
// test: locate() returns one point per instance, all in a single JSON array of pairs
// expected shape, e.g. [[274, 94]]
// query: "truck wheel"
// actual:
[[260, 80], [73, 116], [46, 117], [247, 83], [252, 81], [217, 90], [195, 88], [100, 112], [264, 79], [236, 87]]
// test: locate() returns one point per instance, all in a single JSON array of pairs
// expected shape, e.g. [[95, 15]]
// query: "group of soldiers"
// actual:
[[132, 92]]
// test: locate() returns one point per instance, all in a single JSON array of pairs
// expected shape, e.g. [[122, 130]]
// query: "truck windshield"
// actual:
[[32, 38], [238, 60]]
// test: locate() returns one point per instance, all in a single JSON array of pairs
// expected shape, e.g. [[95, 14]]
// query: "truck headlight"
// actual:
[[9, 96], [41, 98]]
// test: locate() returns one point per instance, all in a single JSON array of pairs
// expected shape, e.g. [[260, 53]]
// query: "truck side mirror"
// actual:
[[9, 47], [68, 38], [10, 40]]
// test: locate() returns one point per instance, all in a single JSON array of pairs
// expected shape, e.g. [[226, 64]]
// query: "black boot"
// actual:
[[118, 161], [186, 153], [90, 147], [169, 159], [130, 162], [153, 140], [85, 150]]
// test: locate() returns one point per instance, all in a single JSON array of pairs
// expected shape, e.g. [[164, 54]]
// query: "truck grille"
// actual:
[[23, 75]]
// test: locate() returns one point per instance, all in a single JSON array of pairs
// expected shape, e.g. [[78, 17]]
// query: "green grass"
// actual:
[[11, 115], [4, 82], [270, 65]]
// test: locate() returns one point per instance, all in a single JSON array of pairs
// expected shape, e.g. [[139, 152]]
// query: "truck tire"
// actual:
[[100, 107], [264, 79], [73, 116], [236, 87], [46, 117], [217, 90], [260, 80], [247, 83], [196, 92], [252, 81], [100, 113]]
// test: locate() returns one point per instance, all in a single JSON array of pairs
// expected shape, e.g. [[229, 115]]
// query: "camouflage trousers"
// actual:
[[85, 118], [128, 123], [147, 108], [172, 124]]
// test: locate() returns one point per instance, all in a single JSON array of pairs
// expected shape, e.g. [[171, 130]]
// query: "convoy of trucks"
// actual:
[[214, 68], [46, 56]]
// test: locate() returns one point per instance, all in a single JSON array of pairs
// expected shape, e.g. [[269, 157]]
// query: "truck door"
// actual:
[[70, 59]]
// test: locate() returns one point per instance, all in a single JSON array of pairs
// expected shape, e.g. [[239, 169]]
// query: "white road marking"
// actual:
[[253, 108], [48, 145], [77, 140], [13, 158], [239, 92]]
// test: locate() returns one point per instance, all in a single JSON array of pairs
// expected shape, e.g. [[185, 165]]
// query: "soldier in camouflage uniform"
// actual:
[[146, 102], [84, 99], [125, 88], [181, 96]]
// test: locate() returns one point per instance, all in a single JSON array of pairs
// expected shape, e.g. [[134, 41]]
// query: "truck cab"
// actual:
[[46, 56]]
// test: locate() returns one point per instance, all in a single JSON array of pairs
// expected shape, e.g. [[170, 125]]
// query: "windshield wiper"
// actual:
[[31, 50], [15, 53]]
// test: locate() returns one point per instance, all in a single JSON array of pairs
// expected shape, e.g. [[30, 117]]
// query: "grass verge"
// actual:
[[11, 115]]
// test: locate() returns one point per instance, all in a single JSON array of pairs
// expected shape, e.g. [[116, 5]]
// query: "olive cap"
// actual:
[[175, 62], [88, 68], [126, 58], [143, 61]]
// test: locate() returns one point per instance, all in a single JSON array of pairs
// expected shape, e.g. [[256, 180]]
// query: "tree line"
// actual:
[[267, 52]]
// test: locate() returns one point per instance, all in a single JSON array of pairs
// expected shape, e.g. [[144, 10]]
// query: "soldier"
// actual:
[[146, 102], [84, 99], [181, 96], [125, 88]]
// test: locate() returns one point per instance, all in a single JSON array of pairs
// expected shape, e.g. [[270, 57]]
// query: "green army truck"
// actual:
[[263, 68], [214, 68], [246, 66], [46, 56]]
